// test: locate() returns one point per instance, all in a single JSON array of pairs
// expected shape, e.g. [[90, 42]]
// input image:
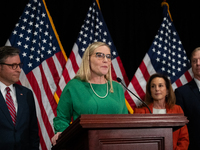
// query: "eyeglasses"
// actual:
[[13, 66], [102, 56]]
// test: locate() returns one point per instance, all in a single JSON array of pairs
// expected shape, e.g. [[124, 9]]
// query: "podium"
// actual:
[[121, 132]]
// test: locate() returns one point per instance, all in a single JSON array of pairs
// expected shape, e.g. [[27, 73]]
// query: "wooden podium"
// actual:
[[121, 132]]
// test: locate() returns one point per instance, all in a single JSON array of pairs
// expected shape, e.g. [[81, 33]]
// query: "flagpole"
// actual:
[[55, 32], [165, 3], [98, 3], [59, 42]]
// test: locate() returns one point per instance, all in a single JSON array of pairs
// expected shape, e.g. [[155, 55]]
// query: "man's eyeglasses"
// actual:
[[13, 66], [102, 56]]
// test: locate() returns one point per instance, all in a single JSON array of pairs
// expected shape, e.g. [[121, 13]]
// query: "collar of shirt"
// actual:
[[197, 82], [159, 111]]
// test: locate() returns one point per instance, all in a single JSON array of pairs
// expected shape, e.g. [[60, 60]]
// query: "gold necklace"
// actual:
[[96, 93]]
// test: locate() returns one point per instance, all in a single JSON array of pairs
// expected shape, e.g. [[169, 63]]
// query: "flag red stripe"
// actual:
[[126, 80], [144, 71], [188, 76], [114, 76], [48, 92], [58, 91], [138, 88], [178, 83], [19, 82], [73, 62], [42, 142], [61, 59], [130, 100], [52, 68], [66, 75], [33, 82]]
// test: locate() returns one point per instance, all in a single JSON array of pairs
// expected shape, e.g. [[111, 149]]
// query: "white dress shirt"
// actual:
[[159, 111], [12, 93]]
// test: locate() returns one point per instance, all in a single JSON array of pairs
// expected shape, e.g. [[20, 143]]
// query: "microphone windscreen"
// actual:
[[118, 79]]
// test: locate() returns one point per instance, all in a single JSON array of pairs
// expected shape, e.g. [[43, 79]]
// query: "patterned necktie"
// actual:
[[10, 104]]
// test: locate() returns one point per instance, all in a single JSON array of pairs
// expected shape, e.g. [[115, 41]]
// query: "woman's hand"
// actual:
[[55, 138]]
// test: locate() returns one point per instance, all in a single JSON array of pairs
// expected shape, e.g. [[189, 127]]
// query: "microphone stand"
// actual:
[[119, 80]]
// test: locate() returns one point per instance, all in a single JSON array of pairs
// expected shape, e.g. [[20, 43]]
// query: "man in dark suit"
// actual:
[[18, 121], [188, 97]]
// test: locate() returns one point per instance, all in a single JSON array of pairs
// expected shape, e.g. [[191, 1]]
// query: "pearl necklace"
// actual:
[[96, 93]]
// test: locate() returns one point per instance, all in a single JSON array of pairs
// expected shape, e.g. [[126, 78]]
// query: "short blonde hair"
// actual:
[[84, 72]]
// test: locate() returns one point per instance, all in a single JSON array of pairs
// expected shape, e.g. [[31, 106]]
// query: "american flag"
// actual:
[[93, 29], [166, 55], [44, 60]]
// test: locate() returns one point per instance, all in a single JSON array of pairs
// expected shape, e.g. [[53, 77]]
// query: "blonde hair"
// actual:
[[84, 72]]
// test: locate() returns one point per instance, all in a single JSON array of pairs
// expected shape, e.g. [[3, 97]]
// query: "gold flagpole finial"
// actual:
[[165, 3]]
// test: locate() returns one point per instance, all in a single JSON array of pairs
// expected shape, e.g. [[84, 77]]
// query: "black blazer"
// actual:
[[188, 97], [24, 135]]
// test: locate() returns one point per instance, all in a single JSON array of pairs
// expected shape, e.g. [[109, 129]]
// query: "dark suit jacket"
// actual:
[[188, 97], [24, 135]]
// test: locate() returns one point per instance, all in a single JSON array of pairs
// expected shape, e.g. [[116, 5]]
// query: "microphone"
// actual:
[[119, 80]]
